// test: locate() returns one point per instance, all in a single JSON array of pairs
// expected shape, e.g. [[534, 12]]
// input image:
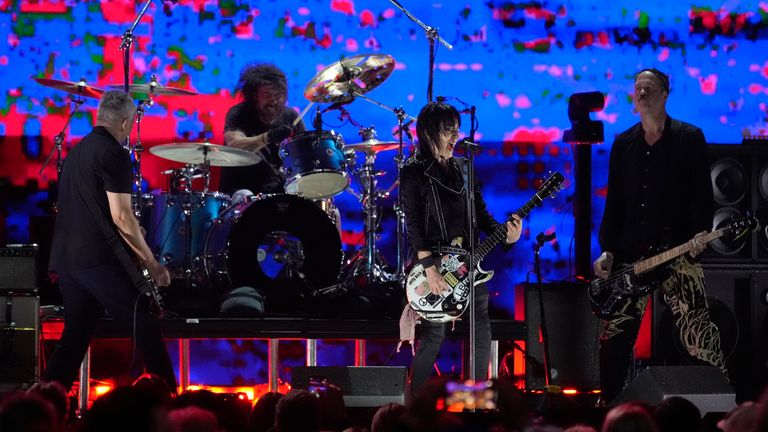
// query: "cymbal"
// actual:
[[154, 89], [79, 88], [340, 81], [372, 146], [198, 153]]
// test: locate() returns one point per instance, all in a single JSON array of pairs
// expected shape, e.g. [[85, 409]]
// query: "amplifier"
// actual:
[[19, 335], [18, 268]]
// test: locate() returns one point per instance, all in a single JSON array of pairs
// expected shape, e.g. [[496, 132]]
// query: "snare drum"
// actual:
[[272, 237], [314, 165], [163, 218]]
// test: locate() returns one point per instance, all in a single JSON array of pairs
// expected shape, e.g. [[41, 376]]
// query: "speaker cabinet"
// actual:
[[19, 334], [739, 175], [18, 268], [705, 386], [370, 386], [736, 295], [573, 332]]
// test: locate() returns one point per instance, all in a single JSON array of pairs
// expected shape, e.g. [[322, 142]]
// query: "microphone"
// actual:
[[467, 144], [542, 238]]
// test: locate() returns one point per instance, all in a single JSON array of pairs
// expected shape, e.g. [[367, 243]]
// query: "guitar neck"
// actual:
[[500, 233], [668, 255]]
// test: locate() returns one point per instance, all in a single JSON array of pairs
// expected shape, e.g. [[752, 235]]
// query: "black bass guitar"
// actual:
[[643, 277]]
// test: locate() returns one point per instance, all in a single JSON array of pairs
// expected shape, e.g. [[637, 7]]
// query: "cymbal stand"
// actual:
[[433, 35], [366, 175], [403, 128], [137, 149], [58, 141]]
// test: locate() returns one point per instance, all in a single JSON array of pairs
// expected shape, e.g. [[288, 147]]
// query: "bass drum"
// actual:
[[269, 240]]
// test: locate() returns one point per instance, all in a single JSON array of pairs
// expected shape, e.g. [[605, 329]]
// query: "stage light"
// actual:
[[584, 129]]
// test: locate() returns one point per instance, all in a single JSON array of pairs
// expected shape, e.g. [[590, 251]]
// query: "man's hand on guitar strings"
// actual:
[[514, 229], [159, 273], [603, 264], [697, 245]]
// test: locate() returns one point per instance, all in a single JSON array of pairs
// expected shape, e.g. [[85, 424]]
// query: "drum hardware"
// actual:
[[80, 90], [432, 35], [372, 147], [314, 164]]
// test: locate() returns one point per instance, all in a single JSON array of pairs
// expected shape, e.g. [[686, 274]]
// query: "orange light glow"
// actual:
[[101, 389], [570, 391]]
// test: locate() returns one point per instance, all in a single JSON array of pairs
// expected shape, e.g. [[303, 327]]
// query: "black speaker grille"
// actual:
[[18, 268]]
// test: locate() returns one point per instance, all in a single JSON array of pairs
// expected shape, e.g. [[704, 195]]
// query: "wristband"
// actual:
[[426, 262]]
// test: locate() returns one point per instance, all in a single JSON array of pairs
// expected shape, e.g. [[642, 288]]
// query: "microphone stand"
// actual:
[[58, 141], [432, 35], [470, 146], [549, 388]]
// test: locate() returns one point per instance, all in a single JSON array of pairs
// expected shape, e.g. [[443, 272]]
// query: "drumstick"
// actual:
[[301, 115]]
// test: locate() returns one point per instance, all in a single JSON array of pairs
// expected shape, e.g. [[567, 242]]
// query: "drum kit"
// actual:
[[270, 240]]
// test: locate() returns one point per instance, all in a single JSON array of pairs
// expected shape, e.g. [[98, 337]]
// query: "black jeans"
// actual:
[[430, 336], [86, 293]]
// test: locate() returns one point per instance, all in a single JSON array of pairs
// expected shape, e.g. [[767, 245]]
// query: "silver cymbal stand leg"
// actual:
[[137, 149]]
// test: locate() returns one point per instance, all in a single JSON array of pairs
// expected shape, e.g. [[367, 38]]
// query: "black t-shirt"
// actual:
[[659, 196], [103, 165], [265, 176]]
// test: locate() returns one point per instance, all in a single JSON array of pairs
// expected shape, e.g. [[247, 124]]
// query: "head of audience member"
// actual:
[[388, 418], [437, 128], [298, 411], [513, 409], [425, 411], [630, 417], [231, 413], [262, 416], [676, 414], [28, 412], [127, 409], [743, 418], [651, 91], [264, 88], [56, 395], [155, 386], [116, 113], [192, 419], [580, 428]]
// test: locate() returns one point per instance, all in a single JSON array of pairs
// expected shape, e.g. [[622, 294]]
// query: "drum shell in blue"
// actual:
[[314, 165], [163, 218]]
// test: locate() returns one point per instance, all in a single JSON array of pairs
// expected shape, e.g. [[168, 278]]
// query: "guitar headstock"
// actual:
[[551, 186], [737, 227]]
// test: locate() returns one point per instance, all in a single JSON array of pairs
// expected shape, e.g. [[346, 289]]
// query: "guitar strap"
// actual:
[[89, 198]]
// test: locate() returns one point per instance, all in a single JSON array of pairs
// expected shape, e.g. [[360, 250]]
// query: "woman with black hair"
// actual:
[[435, 213]]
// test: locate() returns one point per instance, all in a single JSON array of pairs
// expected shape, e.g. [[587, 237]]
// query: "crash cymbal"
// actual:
[[372, 146], [342, 80], [154, 89], [198, 153], [79, 88]]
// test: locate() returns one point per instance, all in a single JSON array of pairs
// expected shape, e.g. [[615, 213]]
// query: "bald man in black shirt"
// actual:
[[659, 196], [95, 191]]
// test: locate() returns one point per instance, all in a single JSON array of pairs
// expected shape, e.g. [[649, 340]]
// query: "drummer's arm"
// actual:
[[238, 139]]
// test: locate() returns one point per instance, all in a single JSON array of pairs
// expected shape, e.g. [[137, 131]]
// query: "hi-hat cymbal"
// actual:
[[198, 153], [79, 88], [372, 146], [340, 81]]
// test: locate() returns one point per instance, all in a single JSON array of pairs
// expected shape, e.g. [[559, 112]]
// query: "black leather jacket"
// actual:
[[434, 203]]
